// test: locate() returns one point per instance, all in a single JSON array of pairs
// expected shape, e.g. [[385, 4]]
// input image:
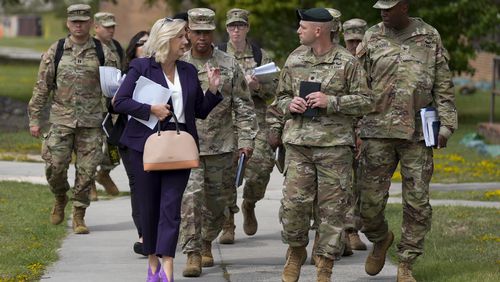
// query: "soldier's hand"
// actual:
[[298, 105], [247, 151], [161, 111], [253, 82], [317, 100], [274, 140], [35, 131], [442, 141], [213, 78]]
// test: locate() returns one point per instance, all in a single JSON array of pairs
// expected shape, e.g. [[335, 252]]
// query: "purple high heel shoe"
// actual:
[[154, 277], [163, 276]]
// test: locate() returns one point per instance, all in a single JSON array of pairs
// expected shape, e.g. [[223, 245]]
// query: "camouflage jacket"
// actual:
[[342, 78], [267, 90], [216, 132], [77, 100], [407, 70]]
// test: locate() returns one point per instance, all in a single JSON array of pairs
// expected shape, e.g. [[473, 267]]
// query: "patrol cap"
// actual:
[[105, 19], [79, 12], [336, 14], [314, 15], [201, 19], [354, 29], [237, 15], [385, 4]]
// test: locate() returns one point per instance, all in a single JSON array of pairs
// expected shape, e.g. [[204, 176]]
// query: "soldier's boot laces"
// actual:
[[93, 192], [355, 241], [404, 273], [324, 268], [314, 257], [103, 178], [227, 236], [296, 257], [193, 265], [249, 220], [376, 259], [347, 247], [79, 226], [207, 260], [57, 214]]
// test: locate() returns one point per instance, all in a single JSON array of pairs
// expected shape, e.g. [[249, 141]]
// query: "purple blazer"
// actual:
[[196, 104]]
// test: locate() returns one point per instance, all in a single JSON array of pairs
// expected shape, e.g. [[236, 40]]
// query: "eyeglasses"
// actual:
[[167, 20], [239, 26]]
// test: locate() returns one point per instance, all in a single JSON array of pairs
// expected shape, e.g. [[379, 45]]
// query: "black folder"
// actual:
[[240, 172], [306, 88]]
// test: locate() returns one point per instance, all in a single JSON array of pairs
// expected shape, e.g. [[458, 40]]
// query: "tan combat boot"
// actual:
[[355, 241], [207, 260], [347, 246], [314, 248], [79, 226], [57, 214], [296, 257], [102, 177], [404, 273], [93, 192], [376, 259], [249, 220], [193, 265], [324, 268], [227, 236]]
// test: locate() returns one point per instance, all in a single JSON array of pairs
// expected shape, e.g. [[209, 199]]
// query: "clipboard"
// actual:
[[279, 158], [107, 125], [306, 88], [240, 172]]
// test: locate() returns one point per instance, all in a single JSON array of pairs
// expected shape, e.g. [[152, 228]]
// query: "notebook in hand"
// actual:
[[306, 88], [279, 158], [240, 172]]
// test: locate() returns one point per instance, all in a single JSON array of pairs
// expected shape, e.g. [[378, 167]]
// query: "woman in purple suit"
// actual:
[[160, 192]]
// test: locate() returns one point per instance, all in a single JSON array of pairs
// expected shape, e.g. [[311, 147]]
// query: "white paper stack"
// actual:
[[149, 92], [430, 125], [111, 79], [267, 72]]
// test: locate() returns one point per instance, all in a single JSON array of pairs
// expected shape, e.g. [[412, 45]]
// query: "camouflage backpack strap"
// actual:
[[222, 46], [99, 51], [58, 56], [119, 49]]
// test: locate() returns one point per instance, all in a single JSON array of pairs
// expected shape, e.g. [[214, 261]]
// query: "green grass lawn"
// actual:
[[475, 195], [17, 80], [27, 239], [463, 245]]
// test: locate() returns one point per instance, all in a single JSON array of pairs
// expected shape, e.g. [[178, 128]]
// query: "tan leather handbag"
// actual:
[[170, 150]]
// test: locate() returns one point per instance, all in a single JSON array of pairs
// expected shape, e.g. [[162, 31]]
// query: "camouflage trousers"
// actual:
[[325, 173], [57, 149], [204, 204], [379, 160], [353, 221]]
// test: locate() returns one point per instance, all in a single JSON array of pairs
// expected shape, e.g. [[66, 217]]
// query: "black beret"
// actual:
[[314, 15], [182, 16]]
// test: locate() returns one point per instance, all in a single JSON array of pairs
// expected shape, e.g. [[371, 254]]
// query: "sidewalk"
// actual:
[[106, 253]]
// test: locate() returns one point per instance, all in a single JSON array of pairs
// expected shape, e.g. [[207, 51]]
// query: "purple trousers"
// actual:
[[159, 195]]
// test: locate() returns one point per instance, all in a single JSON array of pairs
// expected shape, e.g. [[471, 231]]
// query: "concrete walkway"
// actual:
[[106, 253]]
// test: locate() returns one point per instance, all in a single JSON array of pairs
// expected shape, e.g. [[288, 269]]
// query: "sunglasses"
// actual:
[[140, 43], [168, 20]]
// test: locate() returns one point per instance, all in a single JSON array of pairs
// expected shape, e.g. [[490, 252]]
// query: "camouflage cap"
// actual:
[[336, 14], [201, 19], [79, 12], [354, 29], [237, 15], [385, 4], [105, 19]]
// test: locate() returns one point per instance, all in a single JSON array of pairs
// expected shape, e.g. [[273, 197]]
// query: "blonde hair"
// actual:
[[158, 44]]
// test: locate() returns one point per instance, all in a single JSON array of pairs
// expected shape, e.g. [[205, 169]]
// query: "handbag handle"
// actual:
[[176, 125]]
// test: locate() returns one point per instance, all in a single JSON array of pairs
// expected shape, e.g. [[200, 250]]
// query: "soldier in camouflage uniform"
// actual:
[[259, 168], [104, 26], [407, 68], [353, 30], [319, 148], [205, 203], [75, 115]]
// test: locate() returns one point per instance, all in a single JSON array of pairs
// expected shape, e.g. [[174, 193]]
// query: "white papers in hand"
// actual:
[[151, 93], [267, 72], [111, 79], [430, 125]]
